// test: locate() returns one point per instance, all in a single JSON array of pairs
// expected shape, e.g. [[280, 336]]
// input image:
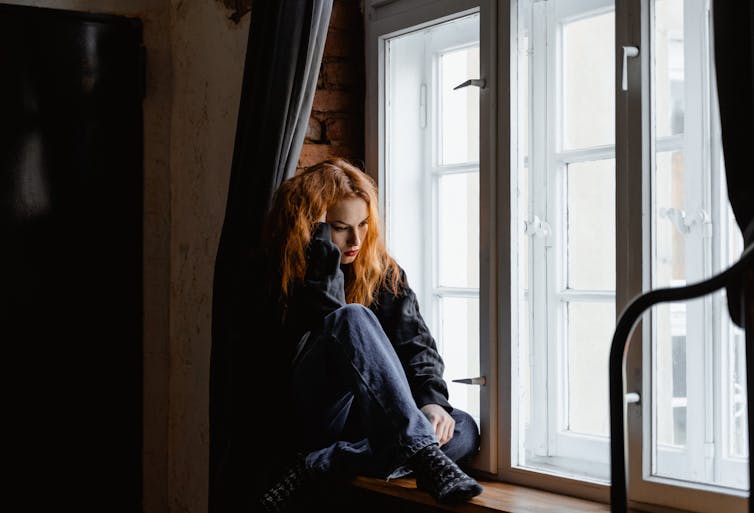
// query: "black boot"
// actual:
[[441, 477], [293, 479]]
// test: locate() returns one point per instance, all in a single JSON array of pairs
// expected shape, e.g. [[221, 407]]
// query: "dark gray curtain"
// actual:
[[734, 65], [248, 428]]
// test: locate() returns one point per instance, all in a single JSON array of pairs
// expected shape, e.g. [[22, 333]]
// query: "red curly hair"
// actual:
[[300, 202]]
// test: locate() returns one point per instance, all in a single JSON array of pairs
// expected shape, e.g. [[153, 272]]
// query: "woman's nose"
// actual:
[[353, 239]]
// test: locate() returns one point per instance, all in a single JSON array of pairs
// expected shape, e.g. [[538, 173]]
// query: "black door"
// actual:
[[71, 243]]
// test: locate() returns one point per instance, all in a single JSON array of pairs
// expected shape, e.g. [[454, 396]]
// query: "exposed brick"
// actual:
[[314, 130], [313, 153], [342, 43], [342, 74], [326, 100], [342, 129], [346, 14]]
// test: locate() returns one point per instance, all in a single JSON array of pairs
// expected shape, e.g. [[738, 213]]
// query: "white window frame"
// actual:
[[389, 18], [646, 489], [498, 286], [548, 163]]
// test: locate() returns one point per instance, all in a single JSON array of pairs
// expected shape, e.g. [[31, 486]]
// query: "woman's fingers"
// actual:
[[444, 430]]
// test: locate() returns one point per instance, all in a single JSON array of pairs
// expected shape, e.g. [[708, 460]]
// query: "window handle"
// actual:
[[633, 398], [479, 380], [628, 51], [536, 228], [476, 82]]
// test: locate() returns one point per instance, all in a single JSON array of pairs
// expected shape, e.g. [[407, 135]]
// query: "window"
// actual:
[[531, 205], [564, 204], [436, 181], [431, 185], [695, 435]]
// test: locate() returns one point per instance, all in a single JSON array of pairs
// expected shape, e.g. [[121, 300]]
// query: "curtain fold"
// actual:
[[734, 66], [284, 53]]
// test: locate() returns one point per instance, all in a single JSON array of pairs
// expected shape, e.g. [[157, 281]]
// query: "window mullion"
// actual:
[[538, 199]]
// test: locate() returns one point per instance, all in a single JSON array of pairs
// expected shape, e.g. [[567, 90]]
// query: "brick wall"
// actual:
[[336, 125]]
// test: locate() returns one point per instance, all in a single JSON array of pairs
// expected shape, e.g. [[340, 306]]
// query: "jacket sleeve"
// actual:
[[403, 324], [322, 290]]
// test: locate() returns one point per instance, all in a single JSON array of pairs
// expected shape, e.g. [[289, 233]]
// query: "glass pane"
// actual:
[[668, 67], [670, 244], [698, 394], [459, 109], [734, 370], [411, 213], [590, 331], [591, 225], [737, 432], [459, 346], [458, 227], [670, 374], [589, 81]]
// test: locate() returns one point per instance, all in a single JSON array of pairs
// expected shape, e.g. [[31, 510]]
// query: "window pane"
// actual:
[[589, 81], [432, 212], [458, 211], [668, 67], [591, 225], [670, 243], [459, 109], [698, 397], [459, 346], [670, 374], [590, 331], [737, 433]]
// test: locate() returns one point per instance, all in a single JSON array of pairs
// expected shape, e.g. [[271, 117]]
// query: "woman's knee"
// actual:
[[352, 316], [357, 326], [465, 441]]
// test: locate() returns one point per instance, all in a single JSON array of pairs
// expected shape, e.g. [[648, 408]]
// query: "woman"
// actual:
[[366, 378]]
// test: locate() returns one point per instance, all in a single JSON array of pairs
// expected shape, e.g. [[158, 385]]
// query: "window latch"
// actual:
[[685, 223], [536, 228], [628, 51], [479, 380], [476, 82]]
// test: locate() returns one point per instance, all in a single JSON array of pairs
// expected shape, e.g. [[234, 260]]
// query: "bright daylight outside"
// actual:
[[432, 186]]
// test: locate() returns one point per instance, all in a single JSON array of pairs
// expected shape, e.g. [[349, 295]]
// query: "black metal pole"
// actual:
[[747, 319]]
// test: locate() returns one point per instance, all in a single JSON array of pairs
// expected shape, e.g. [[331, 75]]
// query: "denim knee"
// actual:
[[354, 312], [465, 441], [354, 323]]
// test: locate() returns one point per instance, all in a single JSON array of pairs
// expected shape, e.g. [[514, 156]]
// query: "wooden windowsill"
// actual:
[[496, 498]]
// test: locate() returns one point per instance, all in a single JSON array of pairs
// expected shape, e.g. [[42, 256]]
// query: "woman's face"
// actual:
[[349, 219]]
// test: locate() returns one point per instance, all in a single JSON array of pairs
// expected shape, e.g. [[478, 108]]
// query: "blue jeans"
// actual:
[[352, 404]]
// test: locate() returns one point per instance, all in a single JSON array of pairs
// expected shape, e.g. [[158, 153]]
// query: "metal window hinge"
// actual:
[[476, 82], [479, 380]]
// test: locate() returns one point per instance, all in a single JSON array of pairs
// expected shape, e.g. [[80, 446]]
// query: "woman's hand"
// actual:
[[442, 422]]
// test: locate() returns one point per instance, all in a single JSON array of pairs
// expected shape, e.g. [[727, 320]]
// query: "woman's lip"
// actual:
[[351, 253]]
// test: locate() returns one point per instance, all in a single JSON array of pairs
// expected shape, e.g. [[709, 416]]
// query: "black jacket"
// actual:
[[322, 291]]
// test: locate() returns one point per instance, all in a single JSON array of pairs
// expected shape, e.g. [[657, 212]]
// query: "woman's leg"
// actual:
[[351, 369], [348, 375], [465, 442]]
